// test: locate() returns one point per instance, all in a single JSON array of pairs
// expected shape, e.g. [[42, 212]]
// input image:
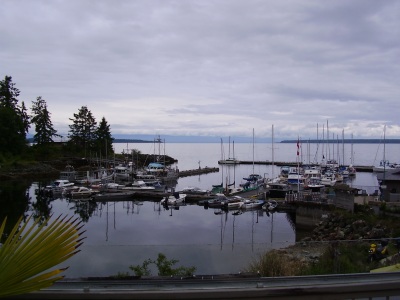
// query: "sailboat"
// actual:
[[384, 164], [231, 160], [253, 181]]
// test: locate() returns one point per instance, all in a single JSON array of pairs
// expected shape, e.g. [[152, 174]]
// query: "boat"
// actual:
[[192, 190], [328, 179], [352, 171], [230, 160], [314, 184], [58, 186], [253, 181], [68, 173], [174, 199], [278, 190], [112, 196], [122, 172], [385, 165], [271, 205], [138, 185], [252, 204], [80, 192], [234, 202]]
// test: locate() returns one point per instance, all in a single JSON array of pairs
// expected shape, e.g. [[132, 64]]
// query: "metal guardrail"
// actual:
[[342, 286]]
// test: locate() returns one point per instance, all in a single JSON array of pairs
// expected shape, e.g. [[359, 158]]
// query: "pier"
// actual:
[[198, 171], [286, 163]]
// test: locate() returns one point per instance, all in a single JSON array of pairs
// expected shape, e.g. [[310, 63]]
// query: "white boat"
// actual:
[[328, 179], [138, 185], [175, 198], [252, 204], [122, 172], [385, 165], [233, 202], [314, 184], [59, 185]]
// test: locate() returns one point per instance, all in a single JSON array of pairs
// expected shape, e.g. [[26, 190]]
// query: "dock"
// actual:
[[287, 163], [198, 171]]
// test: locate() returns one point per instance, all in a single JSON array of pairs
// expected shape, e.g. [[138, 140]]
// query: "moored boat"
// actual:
[[175, 198]]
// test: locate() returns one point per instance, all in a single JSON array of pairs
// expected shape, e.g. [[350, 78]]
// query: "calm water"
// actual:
[[126, 233]]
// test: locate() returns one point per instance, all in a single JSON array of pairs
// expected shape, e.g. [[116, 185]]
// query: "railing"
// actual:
[[343, 286]]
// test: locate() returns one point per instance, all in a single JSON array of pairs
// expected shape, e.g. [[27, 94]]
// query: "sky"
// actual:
[[305, 68]]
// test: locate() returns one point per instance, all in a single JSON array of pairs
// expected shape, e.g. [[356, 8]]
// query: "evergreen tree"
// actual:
[[14, 120], [104, 140], [82, 134], [8, 93], [43, 126]]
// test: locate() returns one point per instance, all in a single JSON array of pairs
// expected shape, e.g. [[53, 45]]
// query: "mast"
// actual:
[[253, 150], [272, 152]]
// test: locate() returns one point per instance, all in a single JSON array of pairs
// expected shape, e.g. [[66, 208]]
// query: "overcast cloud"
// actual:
[[209, 67]]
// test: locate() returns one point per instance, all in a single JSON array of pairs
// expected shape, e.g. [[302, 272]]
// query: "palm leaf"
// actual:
[[31, 250]]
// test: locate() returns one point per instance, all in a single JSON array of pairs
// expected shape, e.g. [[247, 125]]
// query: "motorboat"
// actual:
[[195, 191], [174, 199], [80, 192], [252, 204]]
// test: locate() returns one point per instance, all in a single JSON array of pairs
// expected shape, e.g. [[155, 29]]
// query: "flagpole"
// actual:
[[298, 167]]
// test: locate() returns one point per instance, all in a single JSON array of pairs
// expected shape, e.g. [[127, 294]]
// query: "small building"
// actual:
[[389, 185]]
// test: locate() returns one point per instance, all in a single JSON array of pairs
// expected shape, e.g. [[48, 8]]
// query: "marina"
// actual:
[[130, 228]]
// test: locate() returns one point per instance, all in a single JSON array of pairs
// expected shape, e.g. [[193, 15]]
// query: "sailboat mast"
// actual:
[[253, 150], [272, 152]]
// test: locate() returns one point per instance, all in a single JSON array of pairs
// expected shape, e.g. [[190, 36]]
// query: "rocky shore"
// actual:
[[331, 228]]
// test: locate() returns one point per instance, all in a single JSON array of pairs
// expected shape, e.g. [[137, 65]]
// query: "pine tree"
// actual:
[[104, 140], [43, 126], [82, 134], [14, 120]]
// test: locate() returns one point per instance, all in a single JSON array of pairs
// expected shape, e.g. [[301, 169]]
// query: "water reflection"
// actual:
[[119, 234], [14, 202]]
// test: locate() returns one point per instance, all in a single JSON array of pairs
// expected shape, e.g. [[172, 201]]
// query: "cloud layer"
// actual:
[[213, 68]]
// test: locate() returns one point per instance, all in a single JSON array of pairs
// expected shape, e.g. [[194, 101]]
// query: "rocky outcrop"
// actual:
[[336, 226]]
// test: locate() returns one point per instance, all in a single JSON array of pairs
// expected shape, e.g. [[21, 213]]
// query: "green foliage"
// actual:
[[14, 121], [142, 270], [82, 134], [165, 267], [43, 125], [30, 251], [104, 140]]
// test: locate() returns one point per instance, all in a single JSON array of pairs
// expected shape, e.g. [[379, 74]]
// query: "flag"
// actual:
[[298, 146]]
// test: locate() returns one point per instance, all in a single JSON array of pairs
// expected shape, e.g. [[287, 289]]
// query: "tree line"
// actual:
[[85, 135]]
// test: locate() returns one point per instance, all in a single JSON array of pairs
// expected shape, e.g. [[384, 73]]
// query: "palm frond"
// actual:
[[31, 250]]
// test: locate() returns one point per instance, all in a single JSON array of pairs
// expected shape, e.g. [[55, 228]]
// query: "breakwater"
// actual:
[[287, 163]]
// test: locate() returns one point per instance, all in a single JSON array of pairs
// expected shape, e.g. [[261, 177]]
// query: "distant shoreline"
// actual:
[[311, 141], [345, 141]]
